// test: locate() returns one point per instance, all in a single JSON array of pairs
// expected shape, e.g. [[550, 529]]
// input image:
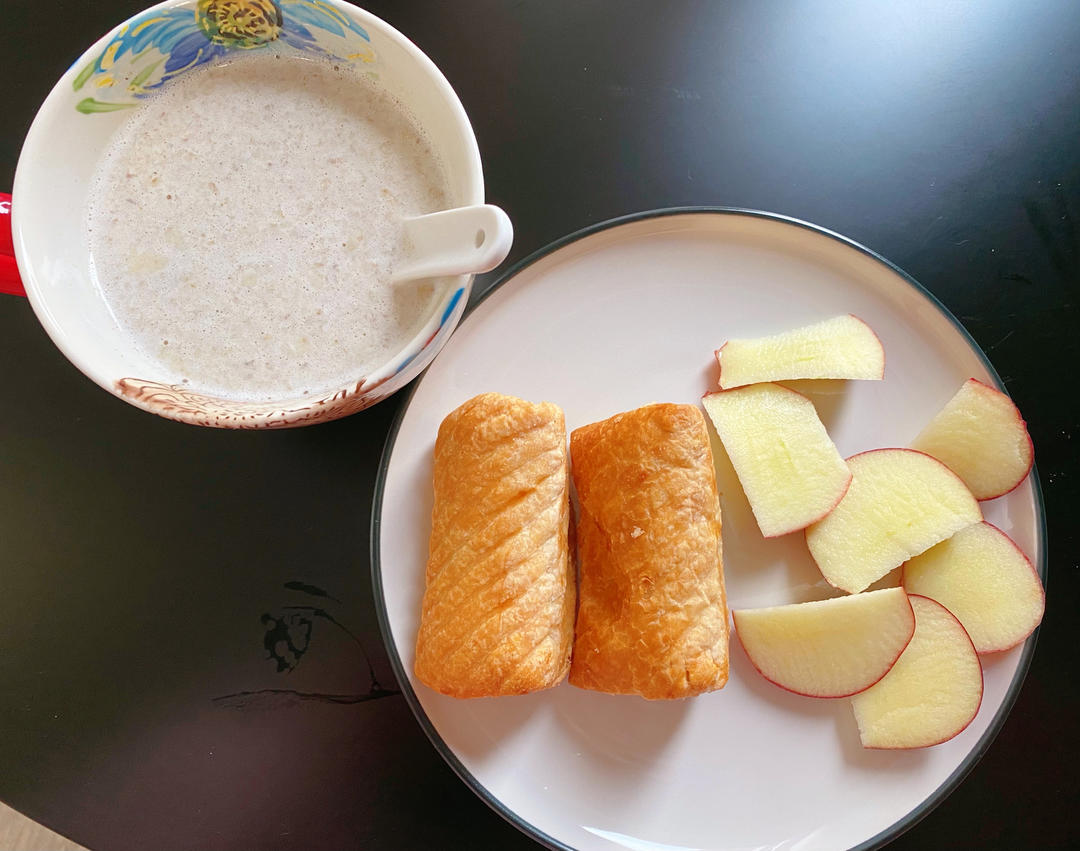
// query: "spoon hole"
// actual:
[[480, 237]]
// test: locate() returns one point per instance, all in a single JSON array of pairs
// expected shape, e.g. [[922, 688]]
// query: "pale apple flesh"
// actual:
[[981, 437], [840, 347], [932, 692], [986, 581], [828, 648], [899, 504], [786, 462]]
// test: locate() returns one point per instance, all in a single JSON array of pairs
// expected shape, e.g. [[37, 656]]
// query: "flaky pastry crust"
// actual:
[[652, 618], [498, 608]]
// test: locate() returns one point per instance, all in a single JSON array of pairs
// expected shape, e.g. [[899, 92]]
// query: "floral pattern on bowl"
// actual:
[[176, 402], [153, 48]]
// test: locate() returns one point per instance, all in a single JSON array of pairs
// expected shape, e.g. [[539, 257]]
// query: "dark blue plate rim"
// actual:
[[898, 827]]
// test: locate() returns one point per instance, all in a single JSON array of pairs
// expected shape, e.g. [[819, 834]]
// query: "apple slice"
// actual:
[[986, 581], [900, 503], [786, 462], [981, 437], [830, 648], [841, 347], [932, 692]]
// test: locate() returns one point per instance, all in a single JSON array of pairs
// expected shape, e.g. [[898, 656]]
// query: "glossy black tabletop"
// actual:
[[189, 652]]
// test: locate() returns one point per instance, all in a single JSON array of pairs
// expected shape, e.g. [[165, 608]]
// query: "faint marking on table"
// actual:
[[287, 638]]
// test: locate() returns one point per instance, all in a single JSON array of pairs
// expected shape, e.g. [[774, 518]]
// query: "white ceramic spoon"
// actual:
[[462, 241]]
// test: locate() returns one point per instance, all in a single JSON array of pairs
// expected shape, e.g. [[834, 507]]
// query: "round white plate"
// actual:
[[619, 316]]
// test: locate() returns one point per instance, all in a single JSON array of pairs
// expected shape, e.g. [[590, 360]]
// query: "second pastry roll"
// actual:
[[652, 618]]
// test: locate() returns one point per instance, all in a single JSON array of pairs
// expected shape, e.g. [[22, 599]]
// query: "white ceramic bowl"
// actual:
[[94, 98]]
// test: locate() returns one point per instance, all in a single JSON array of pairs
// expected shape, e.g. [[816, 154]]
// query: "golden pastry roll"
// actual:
[[652, 618], [498, 609]]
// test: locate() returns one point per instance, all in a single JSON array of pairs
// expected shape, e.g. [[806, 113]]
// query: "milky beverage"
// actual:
[[244, 223]]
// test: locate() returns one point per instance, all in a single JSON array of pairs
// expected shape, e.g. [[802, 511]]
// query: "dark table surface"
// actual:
[[146, 564]]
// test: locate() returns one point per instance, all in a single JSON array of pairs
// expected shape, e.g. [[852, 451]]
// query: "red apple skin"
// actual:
[[982, 692], [811, 401], [735, 621], [822, 516], [719, 362], [1027, 436], [856, 455], [905, 449], [1027, 561]]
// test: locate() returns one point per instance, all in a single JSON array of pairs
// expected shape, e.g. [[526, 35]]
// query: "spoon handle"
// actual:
[[461, 241]]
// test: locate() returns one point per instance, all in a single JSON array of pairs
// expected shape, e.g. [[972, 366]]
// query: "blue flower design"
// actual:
[[157, 46]]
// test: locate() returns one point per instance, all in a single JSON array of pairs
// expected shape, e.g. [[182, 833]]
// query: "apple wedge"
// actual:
[[986, 581], [786, 462], [932, 692], [900, 503], [981, 437], [841, 347], [830, 648]]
